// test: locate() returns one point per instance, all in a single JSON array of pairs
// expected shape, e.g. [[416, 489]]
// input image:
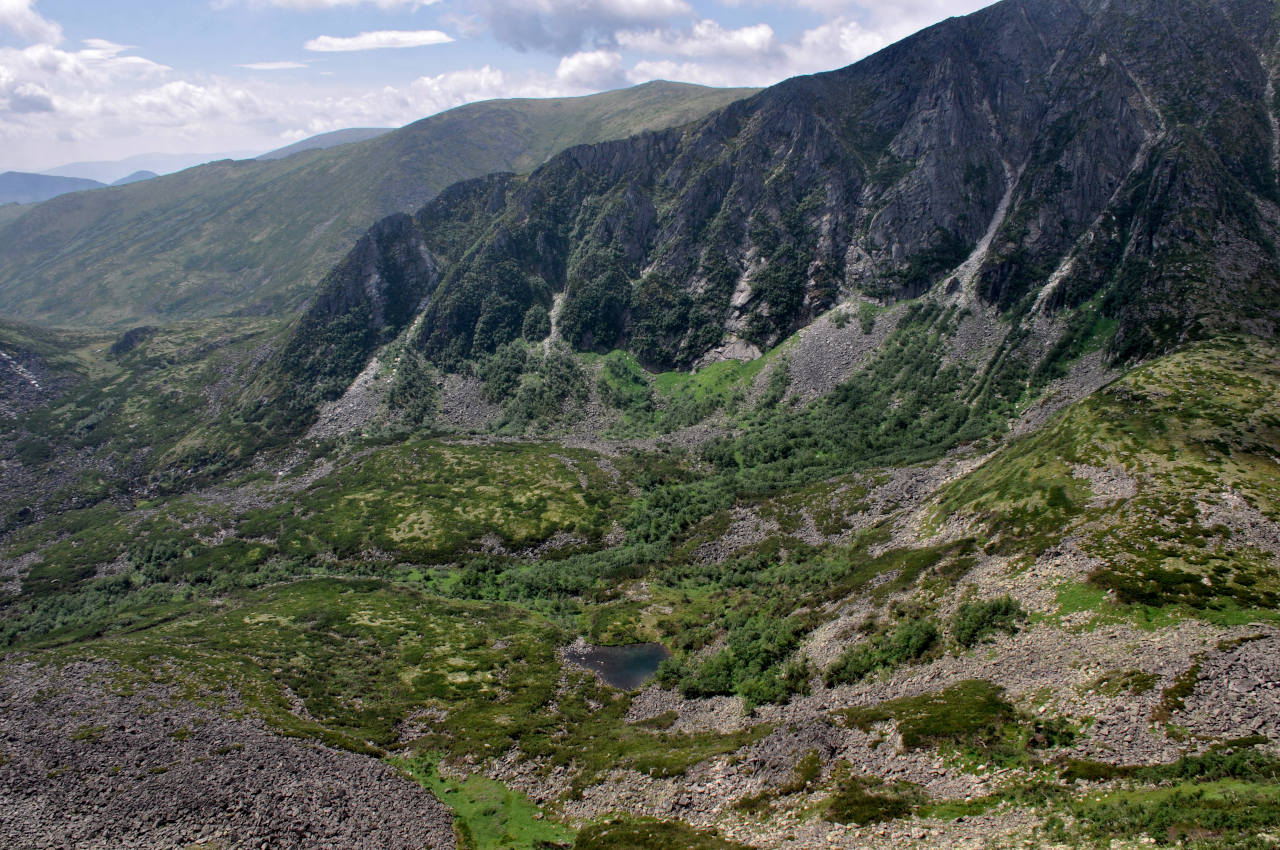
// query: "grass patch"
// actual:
[[1214, 814], [1117, 682], [1174, 697], [972, 713], [428, 500], [646, 834], [490, 816]]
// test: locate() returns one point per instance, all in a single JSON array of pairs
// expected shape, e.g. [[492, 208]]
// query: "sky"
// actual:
[[107, 79]]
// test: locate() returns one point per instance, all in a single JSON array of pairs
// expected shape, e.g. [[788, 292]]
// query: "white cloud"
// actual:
[[592, 70], [566, 26], [718, 57], [892, 20], [313, 5], [705, 38], [428, 95], [272, 66], [20, 18], [112, 112], [833, 45], [99, 64], [378, 40], [711, 55], [29, 97], [702, 73]]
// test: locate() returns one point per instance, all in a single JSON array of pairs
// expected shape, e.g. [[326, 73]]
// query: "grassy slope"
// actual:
[[117, 419], [232, 236], [1190, 431]]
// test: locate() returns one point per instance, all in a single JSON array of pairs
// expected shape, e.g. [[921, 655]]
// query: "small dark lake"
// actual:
[[625, 667]]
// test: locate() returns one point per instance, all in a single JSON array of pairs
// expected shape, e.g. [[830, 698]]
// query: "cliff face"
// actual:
[[1036, 157]]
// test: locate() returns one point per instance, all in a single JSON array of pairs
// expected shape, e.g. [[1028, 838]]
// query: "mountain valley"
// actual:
[[926, 412]]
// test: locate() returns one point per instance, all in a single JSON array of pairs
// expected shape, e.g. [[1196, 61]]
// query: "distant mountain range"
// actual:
[[131, 169], [135, 177], [111, 172], [20, 187]]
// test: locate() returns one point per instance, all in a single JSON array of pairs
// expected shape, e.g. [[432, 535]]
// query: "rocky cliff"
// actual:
[[1068, 166]]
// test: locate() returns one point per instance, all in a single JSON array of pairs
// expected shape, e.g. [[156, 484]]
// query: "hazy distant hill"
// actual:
[[255, 237], [135, 177], [19, 187], [327, 140], [110, 171]]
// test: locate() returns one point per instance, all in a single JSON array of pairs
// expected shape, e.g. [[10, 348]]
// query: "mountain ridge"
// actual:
[[1060, 206], [253, 237], [326, 140]]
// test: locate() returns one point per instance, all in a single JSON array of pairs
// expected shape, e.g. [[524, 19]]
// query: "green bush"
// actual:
[[552, 390], [855, 802], [748, 665], [412, 394], [907, 643], [628, 834], [624, 386], [976, 621], [501, 371], [597, 297], [537, 324]]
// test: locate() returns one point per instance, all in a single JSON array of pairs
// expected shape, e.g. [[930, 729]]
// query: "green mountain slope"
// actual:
[[254, 237], [1081, 622]]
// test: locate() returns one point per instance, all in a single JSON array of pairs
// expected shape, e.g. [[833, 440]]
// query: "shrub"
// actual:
[[597, 298], [748, 664], [855, 802], [907, 643], [537, 324], [552, 390], [501, 371], [976, 621], [623, 385], [412, 394]]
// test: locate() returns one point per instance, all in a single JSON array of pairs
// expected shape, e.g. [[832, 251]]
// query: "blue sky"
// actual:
[[106, 79]]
